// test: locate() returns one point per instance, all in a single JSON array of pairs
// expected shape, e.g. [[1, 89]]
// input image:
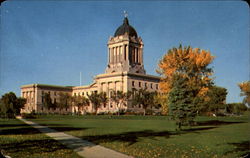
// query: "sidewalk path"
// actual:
[[81, 147]]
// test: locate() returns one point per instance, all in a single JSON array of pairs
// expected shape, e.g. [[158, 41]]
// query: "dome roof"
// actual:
[[125, 28]]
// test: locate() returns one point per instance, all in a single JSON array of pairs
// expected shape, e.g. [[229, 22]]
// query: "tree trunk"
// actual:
[[118, 113], [96, 111]]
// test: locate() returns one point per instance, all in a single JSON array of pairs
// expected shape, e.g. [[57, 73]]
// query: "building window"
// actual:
[[54, 100], [54, 93], [156, 86], [82, 93], [151, 85], [74, 94], [139, 84], [133, 83], [79, 93], [146, 85], [87, 93]]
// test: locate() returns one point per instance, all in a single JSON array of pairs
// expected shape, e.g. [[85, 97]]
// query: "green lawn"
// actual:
[[19, 140], [155, 136]]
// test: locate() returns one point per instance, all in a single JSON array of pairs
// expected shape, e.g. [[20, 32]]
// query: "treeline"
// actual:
[[140, 98]]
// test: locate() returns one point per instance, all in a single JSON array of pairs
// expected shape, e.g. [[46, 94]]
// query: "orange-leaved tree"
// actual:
[[191, 64], [245, 91]]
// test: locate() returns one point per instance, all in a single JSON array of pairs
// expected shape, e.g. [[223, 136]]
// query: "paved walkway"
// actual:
[[82, 147]]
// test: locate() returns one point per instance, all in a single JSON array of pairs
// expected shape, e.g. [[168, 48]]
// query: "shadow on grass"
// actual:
[[196, 130], [243, 147], [16, 131], [26, 130], [33, 146], [128, 137], [132, 137], [215, 123], [12, 125]]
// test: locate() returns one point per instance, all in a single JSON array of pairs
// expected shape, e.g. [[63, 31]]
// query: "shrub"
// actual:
[[29, 116]]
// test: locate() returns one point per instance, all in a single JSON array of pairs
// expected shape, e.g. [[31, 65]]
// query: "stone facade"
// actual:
[[34, 93], [124, 72]]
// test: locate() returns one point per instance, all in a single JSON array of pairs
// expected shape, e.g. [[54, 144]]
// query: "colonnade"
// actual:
[[122, 53], [29, 95]]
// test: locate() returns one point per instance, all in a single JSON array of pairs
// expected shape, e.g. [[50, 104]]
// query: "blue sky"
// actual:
[[51, 42]]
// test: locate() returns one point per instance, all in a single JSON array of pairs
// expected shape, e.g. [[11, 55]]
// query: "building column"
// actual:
[[127, 53], [135, 54], [121, 53], [124, 52], [118, 54], [114, 54], [111, 57]]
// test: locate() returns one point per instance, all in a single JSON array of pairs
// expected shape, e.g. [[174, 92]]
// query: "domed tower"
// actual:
[[125, 50]]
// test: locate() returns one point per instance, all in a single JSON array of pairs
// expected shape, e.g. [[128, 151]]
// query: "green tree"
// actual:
[[103, 98], [240, 108], [48, 101], [143, 98], [11, 105], [236, 108], [120, 98], [80, 102], [161, 101], [20, 104], [180, 101], [94, 98], [65, 100], [214, 100]]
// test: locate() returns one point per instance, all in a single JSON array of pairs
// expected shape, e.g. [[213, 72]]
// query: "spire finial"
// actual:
[[125, 13]]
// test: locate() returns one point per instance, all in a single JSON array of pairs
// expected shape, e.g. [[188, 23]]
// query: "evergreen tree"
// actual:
[[180, 100]]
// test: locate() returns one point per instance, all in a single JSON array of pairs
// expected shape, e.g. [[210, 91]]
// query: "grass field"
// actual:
[[19, 140], [155, 136]]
